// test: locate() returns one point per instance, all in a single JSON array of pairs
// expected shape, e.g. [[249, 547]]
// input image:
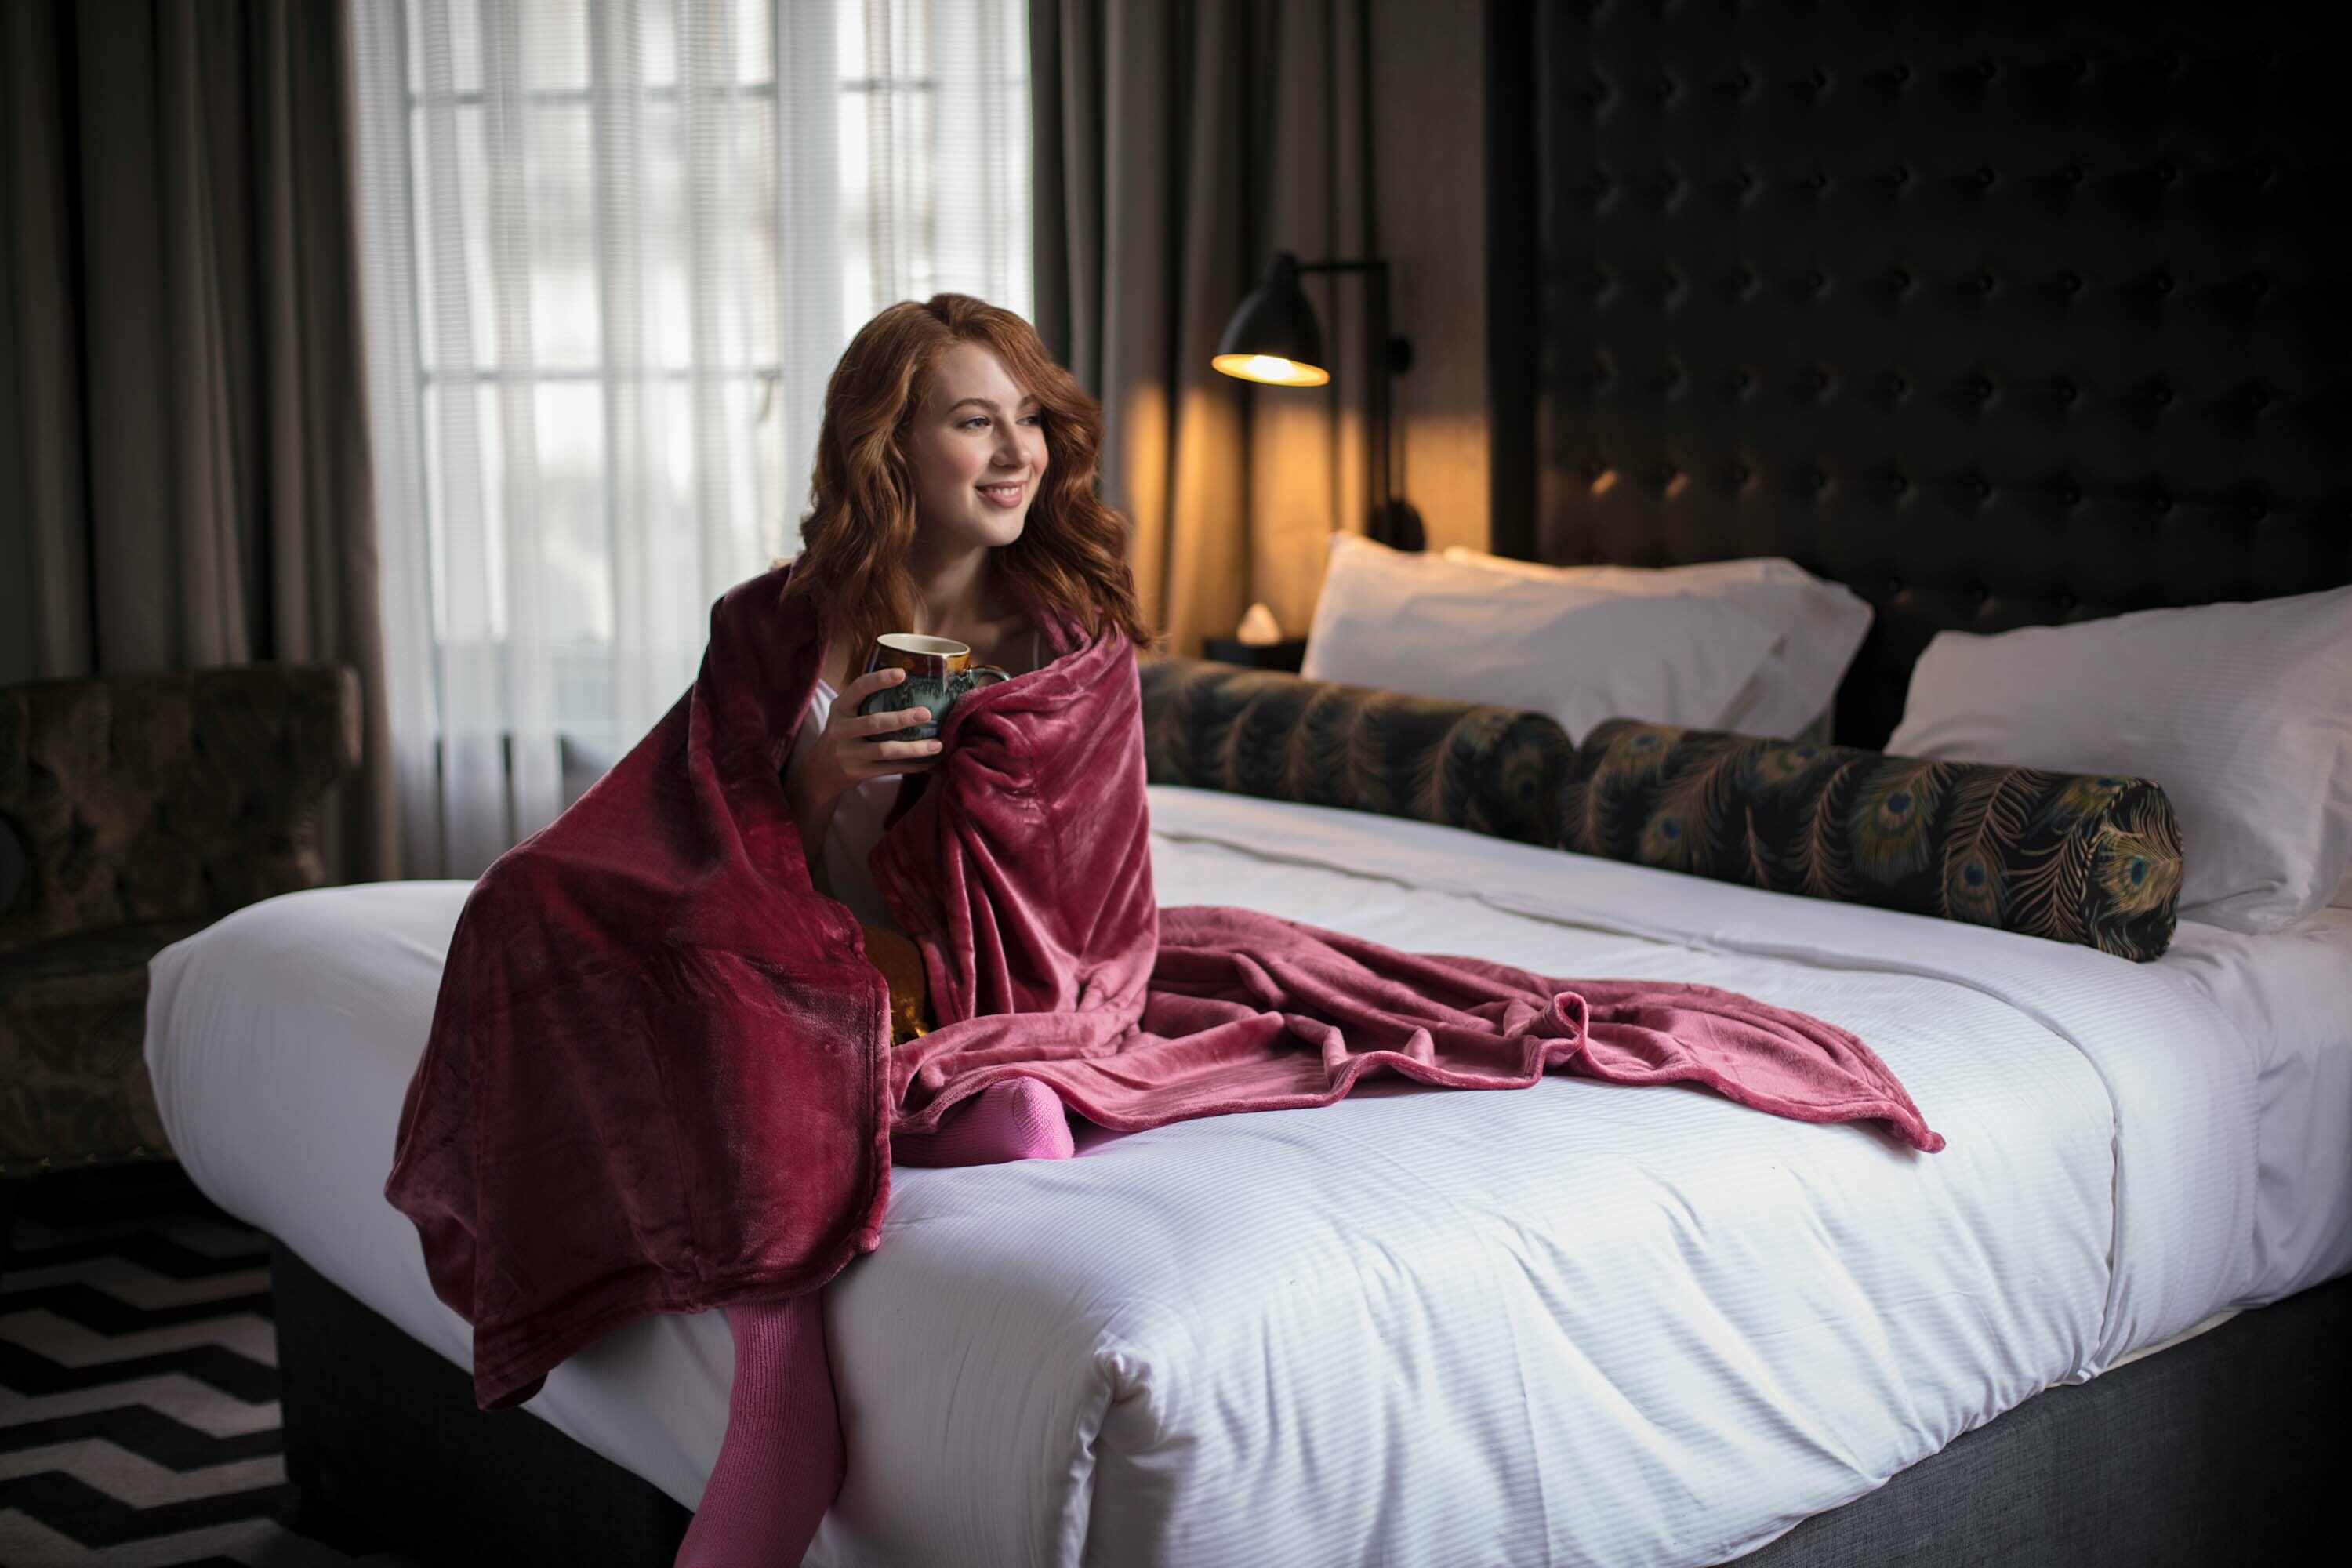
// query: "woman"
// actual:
[[953, 496], [651, 1011]]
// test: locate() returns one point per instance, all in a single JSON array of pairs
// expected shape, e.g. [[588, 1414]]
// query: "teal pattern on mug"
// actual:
[[940, 673]]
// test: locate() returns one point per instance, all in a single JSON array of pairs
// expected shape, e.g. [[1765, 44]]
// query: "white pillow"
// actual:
[[1414, 623], [2241, 711], [1821, 624]]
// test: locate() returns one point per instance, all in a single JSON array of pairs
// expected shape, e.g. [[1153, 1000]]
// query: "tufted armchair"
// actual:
[[134, 811]]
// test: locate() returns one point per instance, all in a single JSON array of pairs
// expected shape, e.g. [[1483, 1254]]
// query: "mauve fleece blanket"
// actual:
[[660, 1077]]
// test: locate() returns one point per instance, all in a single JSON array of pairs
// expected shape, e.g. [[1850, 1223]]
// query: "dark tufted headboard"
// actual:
[[1999, 313]]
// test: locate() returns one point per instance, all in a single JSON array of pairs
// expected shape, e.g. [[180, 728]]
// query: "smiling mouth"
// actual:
[[1005, 495]]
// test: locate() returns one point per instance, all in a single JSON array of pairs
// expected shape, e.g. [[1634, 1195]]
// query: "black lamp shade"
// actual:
[[1274, 336]]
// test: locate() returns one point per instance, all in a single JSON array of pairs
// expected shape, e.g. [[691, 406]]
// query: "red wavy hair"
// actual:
[[1071, 552]]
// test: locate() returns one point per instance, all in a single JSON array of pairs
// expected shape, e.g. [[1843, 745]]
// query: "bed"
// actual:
[[1782, 284], [1572, 1324]]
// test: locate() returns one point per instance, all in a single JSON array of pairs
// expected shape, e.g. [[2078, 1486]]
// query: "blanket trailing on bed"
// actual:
[[660, 1077]]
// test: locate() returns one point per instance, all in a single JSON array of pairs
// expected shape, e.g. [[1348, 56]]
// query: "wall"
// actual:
[[1305, 448], [1431, 166]]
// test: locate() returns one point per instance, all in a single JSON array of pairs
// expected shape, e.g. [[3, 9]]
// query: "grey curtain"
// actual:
[[183, 451], [1178, 144]]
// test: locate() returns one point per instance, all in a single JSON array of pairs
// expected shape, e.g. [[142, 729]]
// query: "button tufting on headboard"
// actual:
[[11, 864], [2029, 311]]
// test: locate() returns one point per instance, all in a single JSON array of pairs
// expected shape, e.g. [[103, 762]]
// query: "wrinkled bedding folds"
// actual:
[[659, 1077]]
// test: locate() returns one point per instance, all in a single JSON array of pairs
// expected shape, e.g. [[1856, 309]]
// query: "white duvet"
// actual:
[[1573, 1324]]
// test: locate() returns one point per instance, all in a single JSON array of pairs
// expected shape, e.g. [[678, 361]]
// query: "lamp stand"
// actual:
[[1391, 520]]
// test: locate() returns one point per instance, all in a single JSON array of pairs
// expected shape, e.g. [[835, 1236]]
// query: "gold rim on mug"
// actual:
[[918, 654], [920, 644]]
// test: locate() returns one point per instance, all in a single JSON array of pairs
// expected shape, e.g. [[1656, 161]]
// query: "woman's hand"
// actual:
[[847, 754]]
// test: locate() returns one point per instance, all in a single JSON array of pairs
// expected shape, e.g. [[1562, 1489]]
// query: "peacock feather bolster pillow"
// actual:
[[1493, 770], [2073, 858]]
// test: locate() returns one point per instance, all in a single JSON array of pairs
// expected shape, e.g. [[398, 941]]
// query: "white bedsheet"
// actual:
[[1574, 1324]]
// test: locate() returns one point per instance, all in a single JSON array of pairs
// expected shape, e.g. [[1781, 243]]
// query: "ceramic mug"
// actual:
[[939, 671]]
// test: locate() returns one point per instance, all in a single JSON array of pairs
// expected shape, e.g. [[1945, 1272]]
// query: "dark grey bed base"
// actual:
[[379, 1427], [2231, 1448]]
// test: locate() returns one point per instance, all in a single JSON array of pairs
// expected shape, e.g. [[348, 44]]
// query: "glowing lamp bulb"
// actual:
[[1272, 368]]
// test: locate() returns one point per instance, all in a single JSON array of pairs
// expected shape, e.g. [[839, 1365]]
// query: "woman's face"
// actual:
[[978, 446]]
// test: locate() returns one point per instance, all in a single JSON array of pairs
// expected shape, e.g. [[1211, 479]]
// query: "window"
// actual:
[[614, 249]]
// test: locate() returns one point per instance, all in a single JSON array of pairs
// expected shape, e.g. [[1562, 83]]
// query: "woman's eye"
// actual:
[[975, 419], [1034, 419]]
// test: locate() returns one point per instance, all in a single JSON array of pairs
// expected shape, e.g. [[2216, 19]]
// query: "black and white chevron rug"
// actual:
[[139, 1423]]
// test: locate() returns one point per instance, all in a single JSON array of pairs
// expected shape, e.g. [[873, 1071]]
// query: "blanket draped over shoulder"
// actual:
[[660, 1076]]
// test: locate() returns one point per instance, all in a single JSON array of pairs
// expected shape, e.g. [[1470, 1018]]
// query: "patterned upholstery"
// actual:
[[2071, 857], [140, 808], [1263, 732]]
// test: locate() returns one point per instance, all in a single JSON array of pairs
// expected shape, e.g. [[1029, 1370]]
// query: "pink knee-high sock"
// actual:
[[1017, 1119], [781, 1461], [781, 1464]]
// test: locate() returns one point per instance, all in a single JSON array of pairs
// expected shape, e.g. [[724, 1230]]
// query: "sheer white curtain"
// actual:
[[611, 250]]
